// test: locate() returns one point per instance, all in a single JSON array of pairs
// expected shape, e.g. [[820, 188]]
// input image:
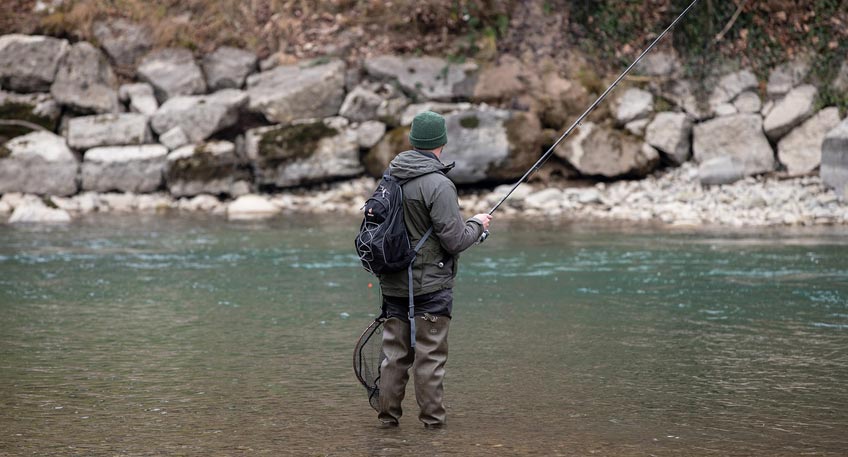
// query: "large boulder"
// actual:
[[200, 116], [800, 151], [361, 105], [124, 168], [291, 92], [302, 153], [502, 82], [789, 112], [172, 72], [739, 137], [602, 151], [787, 76], [29, 63], [227, 68], [38, 163], [730, 86], [633, 104], [671, 134], [139, 98], [123, 41], [85, 82], [834, 160], [209, 168], [88, 132], [38, 109], [426, 77]]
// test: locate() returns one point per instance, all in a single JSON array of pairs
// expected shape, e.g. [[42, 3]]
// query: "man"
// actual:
[[429, 200]]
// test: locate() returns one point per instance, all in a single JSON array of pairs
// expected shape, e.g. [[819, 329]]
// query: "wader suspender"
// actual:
[[411, 297]]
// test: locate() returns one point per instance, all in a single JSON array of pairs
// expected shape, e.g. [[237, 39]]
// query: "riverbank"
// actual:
[[672, 197]]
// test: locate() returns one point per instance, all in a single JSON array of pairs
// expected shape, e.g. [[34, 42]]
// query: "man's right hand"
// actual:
[[484, 219]]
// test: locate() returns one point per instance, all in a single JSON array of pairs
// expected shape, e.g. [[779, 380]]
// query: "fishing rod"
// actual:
[[583, 116]]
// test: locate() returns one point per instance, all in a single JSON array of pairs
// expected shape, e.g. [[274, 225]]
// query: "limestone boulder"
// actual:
[[671, 134], [800, 150], [558, 101], [209, 168], [633, 104], [124, 168], [38, 213], [124, 41], [361, 105], [739, 137], [602, 151], [139, 98], [88, 132], [38, 163], [748, 102], [659, 63], [174, 138], [85, 82], [200, 116], [172, 72], [290, 92], [426, 78], [413, 110], [731, 85], [793, 109], [303, 153], [787, 76], [501, 82], [28, 63], [720, 170], [834, 160], [39, 109], [228, 68], [248, 207], [369, 133]]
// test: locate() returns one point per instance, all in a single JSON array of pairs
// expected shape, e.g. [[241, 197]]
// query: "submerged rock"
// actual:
[[108, 130], [172, 72], [29, 63], [85, 81], [290, 92], [210, 168], [303, 153], [38, 163], [124, 168]]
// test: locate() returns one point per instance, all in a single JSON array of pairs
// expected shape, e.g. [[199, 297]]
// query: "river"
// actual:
[[163, 335]]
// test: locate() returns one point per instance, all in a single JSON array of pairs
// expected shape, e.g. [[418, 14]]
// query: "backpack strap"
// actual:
[[411, 296]]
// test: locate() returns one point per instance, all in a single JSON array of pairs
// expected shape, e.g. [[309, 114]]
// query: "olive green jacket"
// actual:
[[430, 200]]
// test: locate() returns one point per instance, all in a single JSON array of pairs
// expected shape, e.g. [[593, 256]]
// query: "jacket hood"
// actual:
[[412, 164]]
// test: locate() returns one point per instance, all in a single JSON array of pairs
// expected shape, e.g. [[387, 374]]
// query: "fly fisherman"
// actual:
[[429, 200]]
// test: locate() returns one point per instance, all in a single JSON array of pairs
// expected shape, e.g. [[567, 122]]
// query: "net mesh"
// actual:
[[368, 357]]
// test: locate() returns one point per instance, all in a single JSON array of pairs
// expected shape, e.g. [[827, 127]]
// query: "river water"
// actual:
[[155, 335]]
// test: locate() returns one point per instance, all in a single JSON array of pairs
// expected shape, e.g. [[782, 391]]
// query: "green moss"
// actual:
[[292, 142], [21, 112], [203, 166], [662, 104], [470, 122], [4, 152]]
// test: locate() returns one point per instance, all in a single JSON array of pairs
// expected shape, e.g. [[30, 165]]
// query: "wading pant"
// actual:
[[428, 366]]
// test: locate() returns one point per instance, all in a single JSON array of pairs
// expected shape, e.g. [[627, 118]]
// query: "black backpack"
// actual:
[[382, 242]]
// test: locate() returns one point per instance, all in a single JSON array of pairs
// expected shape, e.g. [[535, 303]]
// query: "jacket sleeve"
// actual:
[[455, 235]]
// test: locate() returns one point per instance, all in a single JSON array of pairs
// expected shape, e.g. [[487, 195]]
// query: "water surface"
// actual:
[[156, 335]]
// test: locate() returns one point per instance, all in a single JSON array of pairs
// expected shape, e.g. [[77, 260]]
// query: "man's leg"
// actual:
[[394, 371], [431, 354]]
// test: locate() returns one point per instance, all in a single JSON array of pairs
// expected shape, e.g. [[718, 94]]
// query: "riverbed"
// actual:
[[190, 335]]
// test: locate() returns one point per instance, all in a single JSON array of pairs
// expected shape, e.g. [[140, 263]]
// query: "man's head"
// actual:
[[428, 132]]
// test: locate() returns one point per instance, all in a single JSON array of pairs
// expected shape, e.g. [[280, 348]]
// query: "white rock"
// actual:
[[791, 111], [39, 162], [124, 168], [544, 198], [174, 138], [38, 213], [227, 68], [369, 133], [108, 130], [638, 126], [633, 104], [200, 116], [740, 137], [787, 76], [720, 170], [210, 168], [291, 92], [748, 102], [5, 208], [361, 105], [731, 85], [411, 111], [251, 207], [671, 134], [140, 98], [801, 149], [29, 63], [85, 81], [834, 161], [430, 78], [122, 203], [172, 72]]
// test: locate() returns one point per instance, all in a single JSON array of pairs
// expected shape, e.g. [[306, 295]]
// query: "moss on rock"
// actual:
[[4, 152], [21, 112], [204, 166], [292, 142], [378, 158], [470, 122]]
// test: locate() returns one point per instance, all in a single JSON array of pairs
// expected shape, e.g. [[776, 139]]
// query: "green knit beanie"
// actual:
[[428, 131]]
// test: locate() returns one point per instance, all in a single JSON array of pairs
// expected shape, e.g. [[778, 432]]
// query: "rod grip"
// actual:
[[483, 237]]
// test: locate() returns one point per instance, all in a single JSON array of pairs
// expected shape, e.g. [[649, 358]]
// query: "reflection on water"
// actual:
[[189, 336]]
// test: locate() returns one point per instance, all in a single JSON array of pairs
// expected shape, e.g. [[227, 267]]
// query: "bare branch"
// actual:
[[19, 123], [729, 25]]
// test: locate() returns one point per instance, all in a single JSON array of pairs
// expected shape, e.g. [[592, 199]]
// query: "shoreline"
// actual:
[[671, 198]]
